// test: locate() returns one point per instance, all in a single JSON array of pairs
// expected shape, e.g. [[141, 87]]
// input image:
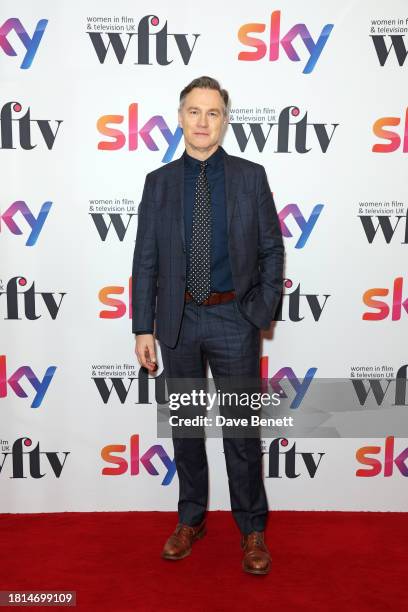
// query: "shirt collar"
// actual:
[[213, 161]]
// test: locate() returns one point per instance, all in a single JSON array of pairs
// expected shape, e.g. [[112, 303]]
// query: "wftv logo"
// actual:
[[131, 465], [290, 460], [375, 386], [24, 127], [385, 465], [393, 137], [106, 384], [305, 225], [291, 304], [144, 35], [396, 43], [276, 40], [383, 309], [122, 387], [300, 386], [30, 300], [118, 224], [30, 43], [36, 459], [13, 381], [35, 223], [385, 225], [285, 127]]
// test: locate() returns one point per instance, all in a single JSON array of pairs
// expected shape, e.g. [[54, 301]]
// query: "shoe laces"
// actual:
[[255, 538], [184, 531]]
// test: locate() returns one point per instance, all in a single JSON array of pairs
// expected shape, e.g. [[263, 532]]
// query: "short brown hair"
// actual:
[[205, 82]]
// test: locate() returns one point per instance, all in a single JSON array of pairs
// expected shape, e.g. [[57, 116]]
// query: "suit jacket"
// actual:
[[255, 247]]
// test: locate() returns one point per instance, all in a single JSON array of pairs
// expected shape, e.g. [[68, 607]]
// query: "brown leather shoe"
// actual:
[[257, 559], [181, 540]]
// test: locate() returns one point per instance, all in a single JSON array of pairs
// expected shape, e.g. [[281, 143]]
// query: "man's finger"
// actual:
[[150, 357]]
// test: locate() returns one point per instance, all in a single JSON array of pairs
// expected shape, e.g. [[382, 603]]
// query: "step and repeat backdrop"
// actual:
[[89, 97]]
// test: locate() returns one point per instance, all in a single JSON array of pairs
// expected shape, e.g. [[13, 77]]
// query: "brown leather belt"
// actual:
[[216, 297]]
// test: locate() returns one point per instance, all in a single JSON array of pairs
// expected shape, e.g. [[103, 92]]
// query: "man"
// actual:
[[209, 247]]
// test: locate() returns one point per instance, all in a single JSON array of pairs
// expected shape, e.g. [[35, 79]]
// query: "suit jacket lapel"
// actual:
[[231, 187], [180, 182]]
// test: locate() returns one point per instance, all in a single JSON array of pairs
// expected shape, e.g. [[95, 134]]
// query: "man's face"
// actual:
[[202, 119]]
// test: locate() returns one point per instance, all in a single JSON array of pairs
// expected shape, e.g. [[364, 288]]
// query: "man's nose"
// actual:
[[203, 120]]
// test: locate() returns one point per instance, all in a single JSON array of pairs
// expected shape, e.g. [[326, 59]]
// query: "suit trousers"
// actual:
[[231, 344]]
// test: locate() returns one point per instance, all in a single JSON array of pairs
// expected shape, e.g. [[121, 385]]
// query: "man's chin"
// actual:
[[203, 145]]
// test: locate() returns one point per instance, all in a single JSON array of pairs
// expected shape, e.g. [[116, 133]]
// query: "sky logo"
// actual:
[[385, 464], [134, 132], [300, 387], [395, 139], [35, 223], [31, 44], [132, 464], [382, 310], [276, 40], [305, 225], [13, 381]]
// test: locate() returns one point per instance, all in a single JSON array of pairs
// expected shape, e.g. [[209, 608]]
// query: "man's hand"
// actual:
[[145, 351]]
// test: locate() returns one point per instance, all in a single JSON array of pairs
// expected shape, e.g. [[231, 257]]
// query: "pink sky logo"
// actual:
[[382, 310], [13, 381], [31, 44], [34, 223], [276, 40], [395, 139], [119, 308], [386, 464], [287, 373], [131, 139], [132, 464], [305, 225]]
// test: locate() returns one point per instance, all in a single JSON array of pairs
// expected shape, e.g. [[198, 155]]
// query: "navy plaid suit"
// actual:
[[254, 242], [227, 335]]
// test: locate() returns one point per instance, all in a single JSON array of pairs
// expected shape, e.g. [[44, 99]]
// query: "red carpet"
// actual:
[[322, 561]]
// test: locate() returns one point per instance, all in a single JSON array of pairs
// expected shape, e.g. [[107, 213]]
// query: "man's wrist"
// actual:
[[139, 333]]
